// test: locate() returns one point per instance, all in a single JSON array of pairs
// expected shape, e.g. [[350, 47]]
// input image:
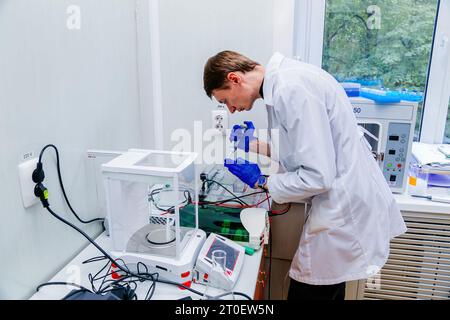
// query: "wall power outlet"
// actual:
[[26, 182], [219, 120]]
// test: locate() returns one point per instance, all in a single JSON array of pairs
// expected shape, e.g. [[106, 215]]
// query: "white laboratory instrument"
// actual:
[[138, 233], [390, 132], [207, 272], [256, 222]]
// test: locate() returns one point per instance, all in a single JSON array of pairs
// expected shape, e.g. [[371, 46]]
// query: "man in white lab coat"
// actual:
[[353, 214]]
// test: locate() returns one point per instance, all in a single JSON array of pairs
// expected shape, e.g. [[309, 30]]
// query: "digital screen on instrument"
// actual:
[[394, 138], [232, 254]]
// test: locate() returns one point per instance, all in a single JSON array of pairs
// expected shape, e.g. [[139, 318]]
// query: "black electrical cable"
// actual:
[[189, 196], [226, 189], [155, 191], [151, 291], [139, 276], [95, 259], [144, 277], [93, 278], [109, 285], [152, 288], [222, 202], [129, 274], [123, 282], [188, 199], [276, 214], [62, 185], [232, 199], [114, 283], [62, 284], [235, 198], [109, 272], [232, 293]]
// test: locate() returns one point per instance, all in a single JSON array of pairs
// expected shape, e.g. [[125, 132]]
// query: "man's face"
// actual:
[[238, 96]]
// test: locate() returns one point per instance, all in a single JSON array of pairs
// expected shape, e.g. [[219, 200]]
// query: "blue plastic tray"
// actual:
[[381, 96]]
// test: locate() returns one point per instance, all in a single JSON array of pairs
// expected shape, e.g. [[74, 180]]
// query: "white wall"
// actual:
[[191, 32], [92, 88], [76, 89]]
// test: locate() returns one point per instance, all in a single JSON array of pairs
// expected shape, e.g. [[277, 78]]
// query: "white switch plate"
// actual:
[[26, 182]]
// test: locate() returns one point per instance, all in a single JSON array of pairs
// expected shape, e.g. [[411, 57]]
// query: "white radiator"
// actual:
[[419, 262]]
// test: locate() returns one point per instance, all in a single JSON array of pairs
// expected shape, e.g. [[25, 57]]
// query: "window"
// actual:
[[380, 43], [395, 44]]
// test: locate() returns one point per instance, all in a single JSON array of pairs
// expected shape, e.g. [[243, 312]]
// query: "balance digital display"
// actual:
[[208, 273], [232, 253]]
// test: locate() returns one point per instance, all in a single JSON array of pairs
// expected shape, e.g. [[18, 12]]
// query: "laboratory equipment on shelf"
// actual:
[[429, 171], [445, 150], [145, 190], [389, 130], [218, 271]]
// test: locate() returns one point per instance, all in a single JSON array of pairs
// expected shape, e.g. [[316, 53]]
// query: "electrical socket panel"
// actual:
[[26, 182], [219, 119]]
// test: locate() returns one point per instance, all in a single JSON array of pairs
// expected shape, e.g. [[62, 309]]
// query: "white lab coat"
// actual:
[[353, 214]]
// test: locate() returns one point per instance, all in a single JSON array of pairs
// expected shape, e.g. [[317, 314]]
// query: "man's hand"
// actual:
[[243, 136], [246, 171]]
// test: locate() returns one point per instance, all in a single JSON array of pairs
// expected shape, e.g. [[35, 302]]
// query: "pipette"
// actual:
[[232, 153], [233, 149]]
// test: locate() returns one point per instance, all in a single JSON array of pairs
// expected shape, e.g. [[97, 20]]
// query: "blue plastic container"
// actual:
[[363, 82], [381, 96], [411, 96], [352, 89]]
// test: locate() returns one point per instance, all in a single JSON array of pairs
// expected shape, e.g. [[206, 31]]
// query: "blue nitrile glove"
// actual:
[[243, 136], [246, 171]]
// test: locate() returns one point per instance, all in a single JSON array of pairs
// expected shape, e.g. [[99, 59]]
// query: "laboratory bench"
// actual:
[[408, 203], [249, 281], [254, 276]]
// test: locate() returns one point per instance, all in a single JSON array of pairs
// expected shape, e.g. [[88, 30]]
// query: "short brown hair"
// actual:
[[218, 67]]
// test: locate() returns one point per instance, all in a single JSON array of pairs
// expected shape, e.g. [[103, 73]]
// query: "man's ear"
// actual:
[[234, 78]]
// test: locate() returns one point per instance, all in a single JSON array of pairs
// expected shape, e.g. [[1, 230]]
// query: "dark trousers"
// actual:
[[303, 291]]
